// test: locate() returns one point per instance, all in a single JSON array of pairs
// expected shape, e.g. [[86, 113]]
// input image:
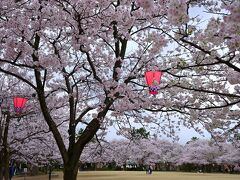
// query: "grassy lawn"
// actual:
[[140, 175]]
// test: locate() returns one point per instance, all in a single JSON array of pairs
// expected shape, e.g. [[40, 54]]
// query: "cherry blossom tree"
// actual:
[[141, 153], [24, 136], [209, 152], [7, 116], [213, 67], [104, 153], [200, 152], [32, 143], [229, 156], [86, 60]]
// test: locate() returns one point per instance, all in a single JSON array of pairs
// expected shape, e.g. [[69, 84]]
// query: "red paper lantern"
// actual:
[[19, 103], [153, 79]]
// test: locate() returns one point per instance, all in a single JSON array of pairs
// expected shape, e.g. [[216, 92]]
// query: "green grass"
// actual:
[[141, 175]]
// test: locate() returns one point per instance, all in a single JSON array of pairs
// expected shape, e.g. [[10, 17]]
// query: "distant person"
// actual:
[[150, 169], [11, 171]]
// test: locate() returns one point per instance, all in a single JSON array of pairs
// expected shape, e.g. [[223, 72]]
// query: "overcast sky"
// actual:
[[185, 135]]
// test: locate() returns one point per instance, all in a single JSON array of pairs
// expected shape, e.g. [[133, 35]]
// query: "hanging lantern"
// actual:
[[1, 100], [19, 103], [153, 79]]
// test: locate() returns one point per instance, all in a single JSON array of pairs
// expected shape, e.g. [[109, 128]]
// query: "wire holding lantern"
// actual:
[[153, 79], [19, 103]]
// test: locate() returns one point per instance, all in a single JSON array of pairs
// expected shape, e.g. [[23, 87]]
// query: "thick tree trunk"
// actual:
[[70, 171], [6, 164], [1, 165]]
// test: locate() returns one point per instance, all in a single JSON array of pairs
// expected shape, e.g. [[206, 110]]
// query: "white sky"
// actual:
[[184, 134]]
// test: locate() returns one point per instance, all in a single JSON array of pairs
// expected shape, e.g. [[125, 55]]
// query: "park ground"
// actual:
[[138, 175]]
